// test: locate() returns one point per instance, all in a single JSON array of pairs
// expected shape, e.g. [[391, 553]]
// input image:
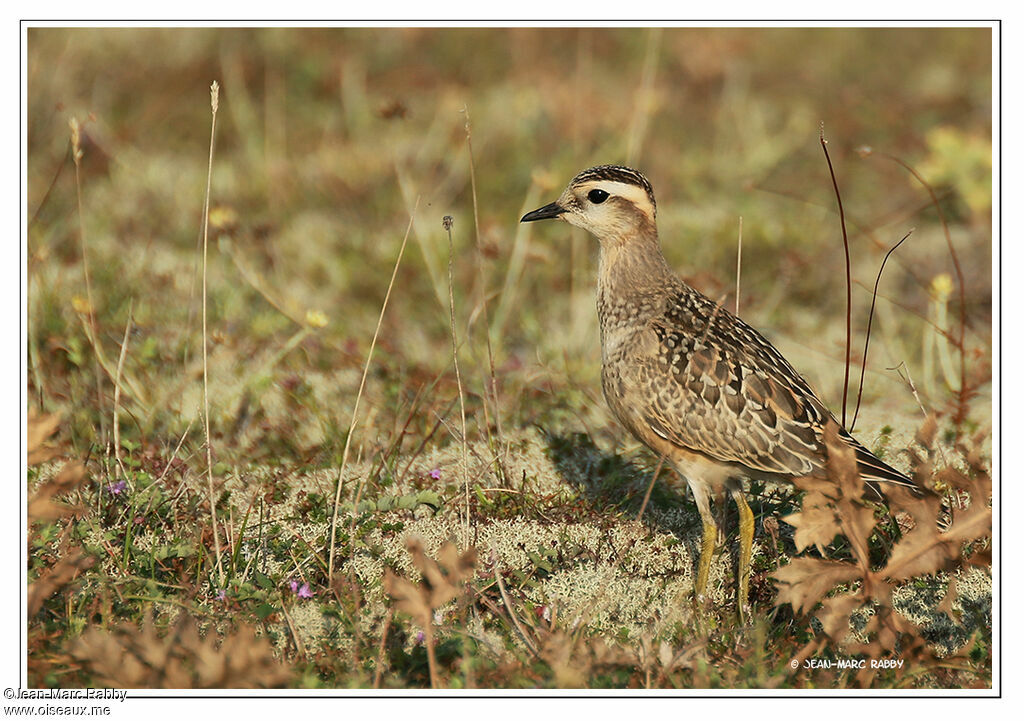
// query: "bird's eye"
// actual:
[[597, 196]]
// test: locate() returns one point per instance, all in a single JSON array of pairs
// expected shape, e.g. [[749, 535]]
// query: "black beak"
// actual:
[[551, 210]]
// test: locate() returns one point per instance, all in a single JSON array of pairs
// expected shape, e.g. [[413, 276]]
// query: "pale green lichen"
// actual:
[[617, 575]]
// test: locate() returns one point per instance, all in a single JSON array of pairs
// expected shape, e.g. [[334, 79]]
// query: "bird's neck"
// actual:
[[633, 274]]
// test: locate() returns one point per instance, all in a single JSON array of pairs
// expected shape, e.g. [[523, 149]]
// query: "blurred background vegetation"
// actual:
[[326, 138], [329, 142]]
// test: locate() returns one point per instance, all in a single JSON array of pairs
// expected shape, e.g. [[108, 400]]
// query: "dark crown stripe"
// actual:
[[618, 174]]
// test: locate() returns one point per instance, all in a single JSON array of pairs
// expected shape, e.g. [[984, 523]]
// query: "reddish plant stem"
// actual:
[[867, 333], [849, 281]]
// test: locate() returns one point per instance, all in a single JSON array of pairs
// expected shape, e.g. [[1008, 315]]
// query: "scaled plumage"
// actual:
[[687, 377]]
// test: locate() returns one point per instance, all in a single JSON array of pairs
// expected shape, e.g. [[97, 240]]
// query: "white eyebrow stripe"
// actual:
[[633, 193]]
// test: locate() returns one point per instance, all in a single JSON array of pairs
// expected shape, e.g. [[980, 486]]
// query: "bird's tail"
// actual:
[[875, 471]]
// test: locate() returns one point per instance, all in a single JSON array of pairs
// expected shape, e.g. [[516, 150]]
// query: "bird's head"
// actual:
[[613, 202]]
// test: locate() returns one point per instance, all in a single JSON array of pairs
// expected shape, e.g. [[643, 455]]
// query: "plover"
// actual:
[[689, 379]]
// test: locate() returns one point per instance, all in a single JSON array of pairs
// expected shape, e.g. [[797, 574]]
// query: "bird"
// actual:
[[693, 382]]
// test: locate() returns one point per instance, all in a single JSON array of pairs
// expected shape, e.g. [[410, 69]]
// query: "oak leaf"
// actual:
[[805, 580]]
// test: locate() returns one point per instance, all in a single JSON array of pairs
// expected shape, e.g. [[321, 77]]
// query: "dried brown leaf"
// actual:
[[857, 522], [42, 506], [835, 615], [457, 568], [574, 659], [242, 660], [409, 597], [558, 651], [816, 484], [102, 654], [946, 604], [40, 428], [972, 524], [56, 578], [441, 582], [841, 464], [923, 550], [815, 523], [131, 657], [926, 433], [804, 581], [954, 478], [981, 558], [921, 507]]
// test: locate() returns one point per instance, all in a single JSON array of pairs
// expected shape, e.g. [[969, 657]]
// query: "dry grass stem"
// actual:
[[458, 374], [739, 264], [300, 647], [645, 97], [76, 154], [117, 391], [378, 670], [481, 279], [214, 103], [867, 332], [650, 487], [507, 602], [355, 405]]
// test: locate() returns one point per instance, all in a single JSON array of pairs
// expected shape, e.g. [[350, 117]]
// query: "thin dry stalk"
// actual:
[[517, 260], [448, 221], [867, 333], [900, 369], [117, 391], [355, 406], [644, 97], [76, 154], [378, 671], [739, 264], [33, 348], [531, 647], [482, 282], [300, 647], [849, 281], [428, 641], [137, 391], [214, 103], [650, 487]]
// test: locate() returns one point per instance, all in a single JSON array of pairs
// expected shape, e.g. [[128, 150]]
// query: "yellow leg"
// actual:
[[746, 545], [707, 550]]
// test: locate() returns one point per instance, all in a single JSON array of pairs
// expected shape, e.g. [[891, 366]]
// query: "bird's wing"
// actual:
[[726, 392]]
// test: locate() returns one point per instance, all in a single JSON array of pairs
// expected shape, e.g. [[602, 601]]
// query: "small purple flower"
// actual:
[[115, 489], [302, 591], [294, 585], [420, 637], [222, 595], [436, 474]]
